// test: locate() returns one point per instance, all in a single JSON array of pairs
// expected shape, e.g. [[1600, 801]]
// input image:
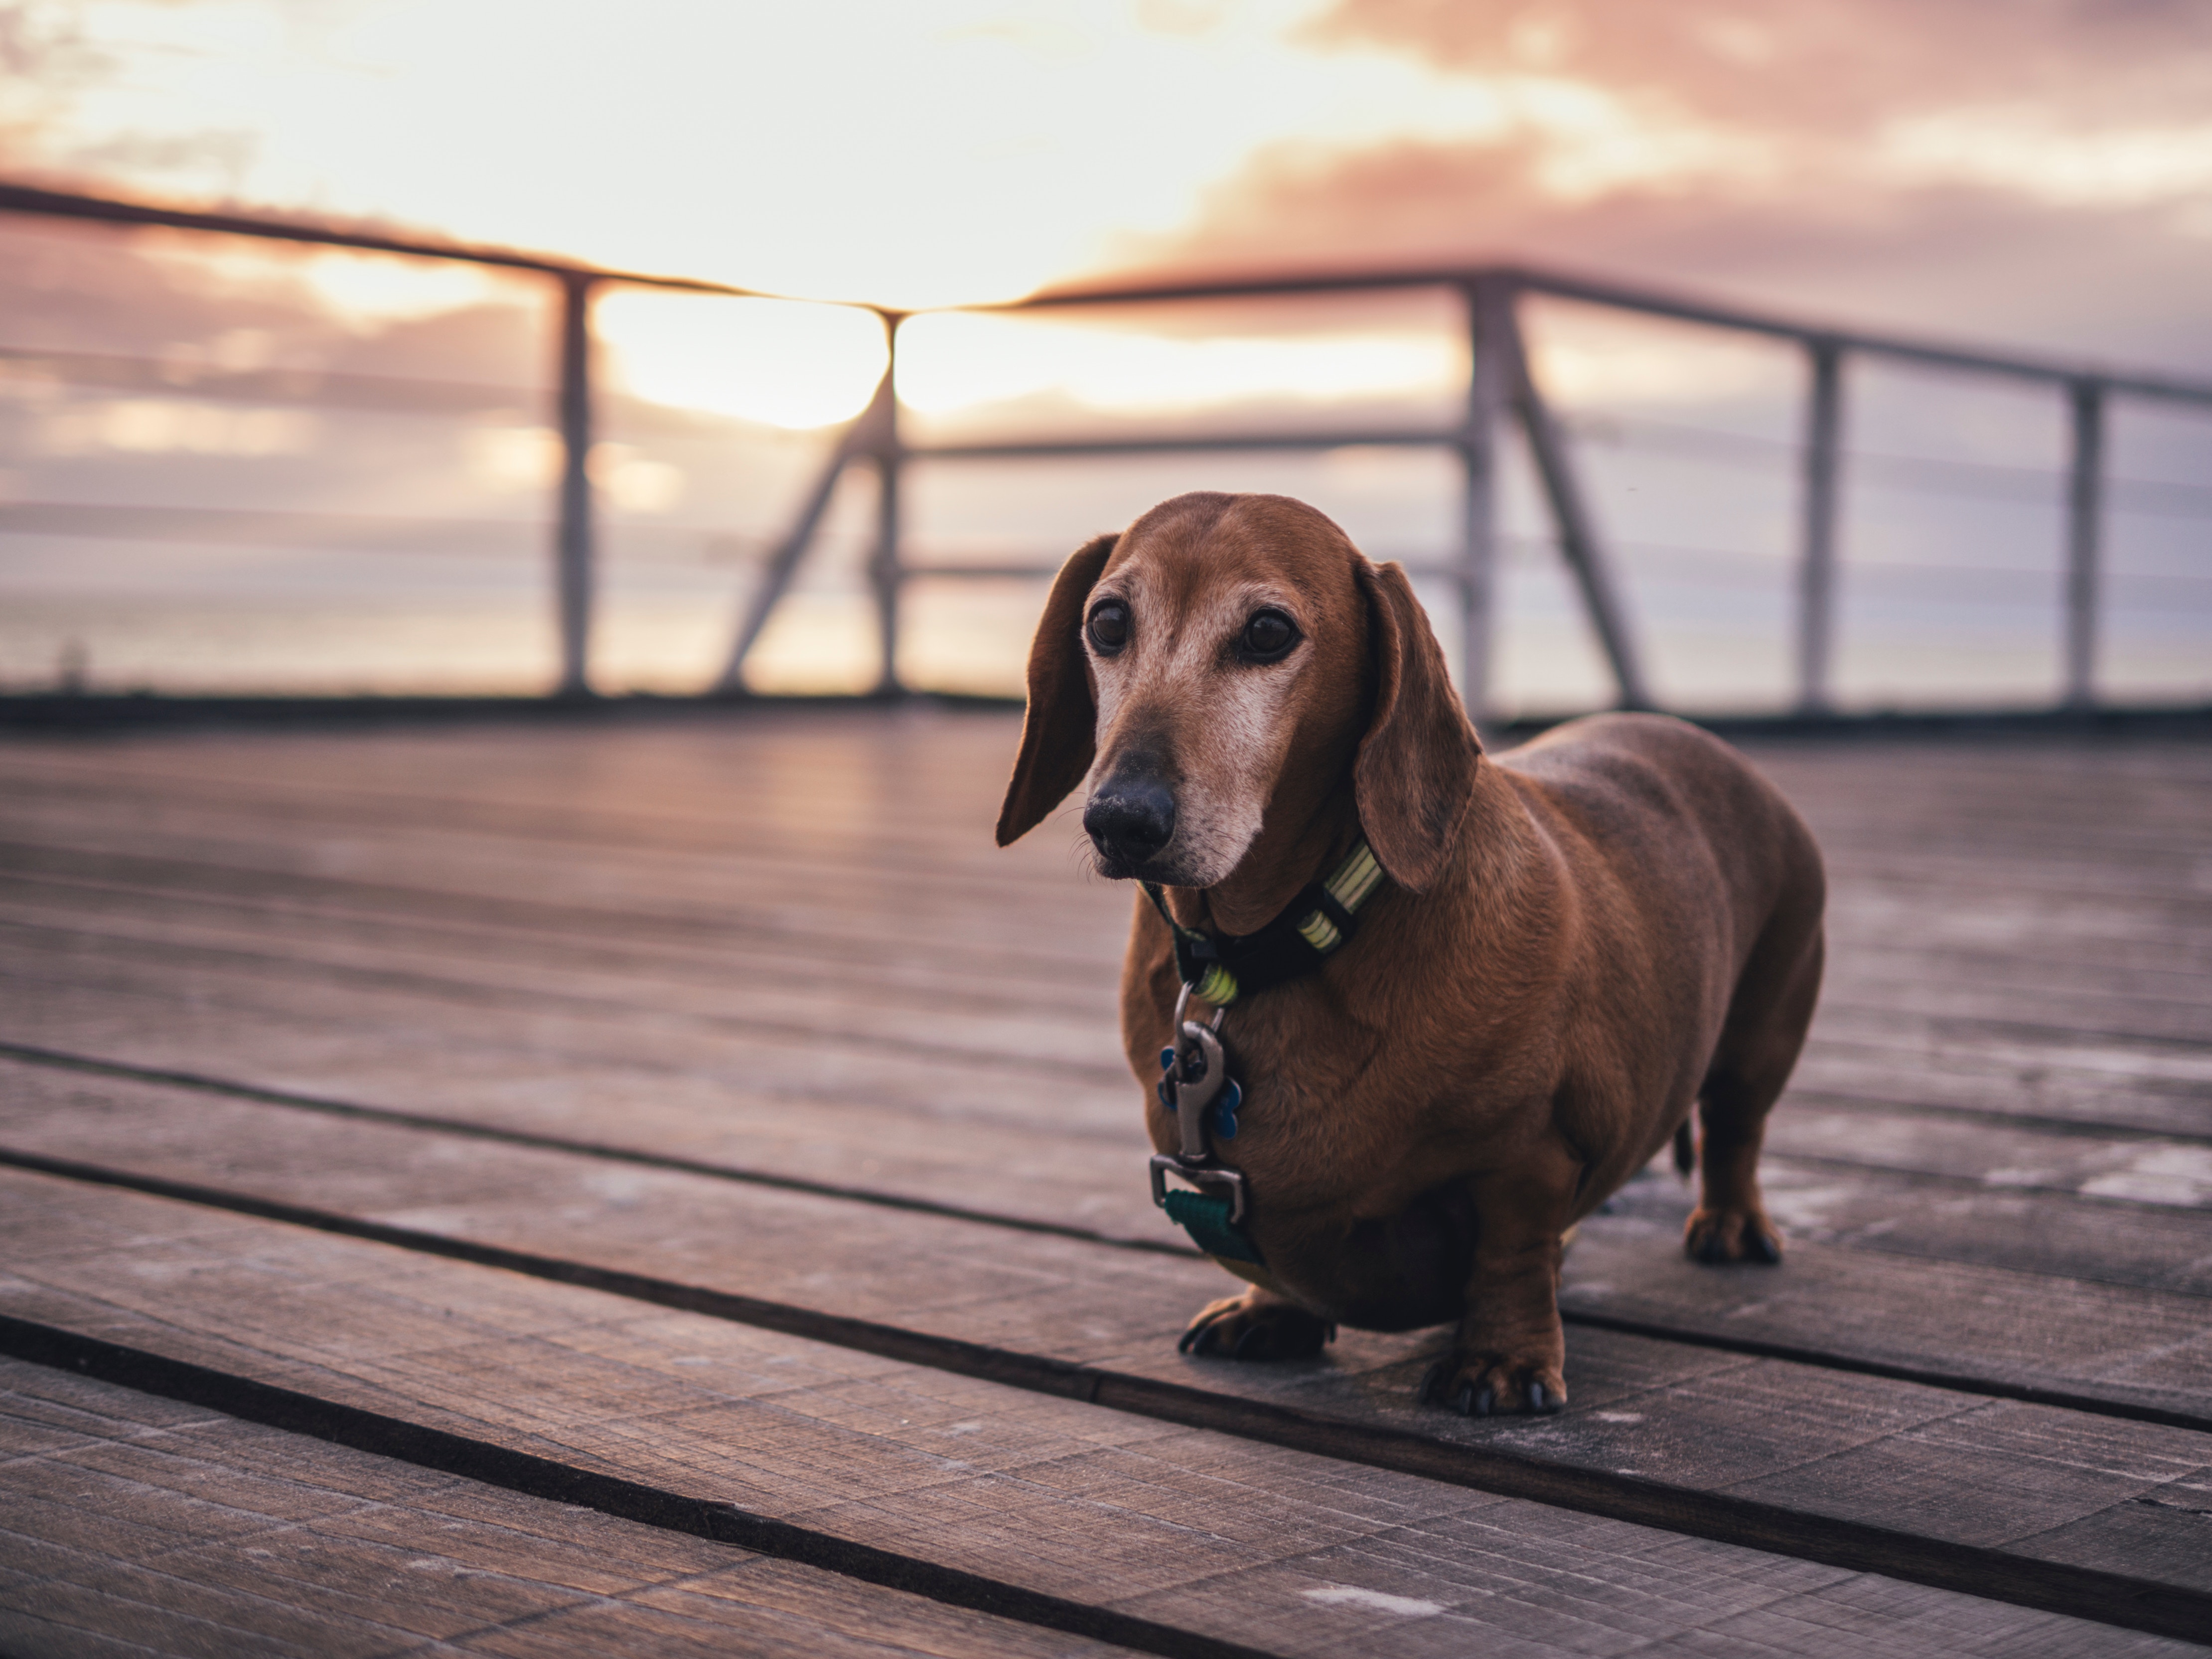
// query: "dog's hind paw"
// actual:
[[1253, 1327], [1493, 1385], [1721, 1236]]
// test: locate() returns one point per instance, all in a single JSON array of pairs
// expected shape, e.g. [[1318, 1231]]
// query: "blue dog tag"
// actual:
[[1225, 1109]]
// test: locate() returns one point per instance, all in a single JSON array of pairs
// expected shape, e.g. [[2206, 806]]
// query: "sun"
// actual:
[[779, 363]]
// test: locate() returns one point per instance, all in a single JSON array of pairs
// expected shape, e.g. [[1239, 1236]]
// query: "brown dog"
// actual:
[[1574, 944]]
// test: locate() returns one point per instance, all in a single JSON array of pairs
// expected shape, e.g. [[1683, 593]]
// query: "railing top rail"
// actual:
[[1619, 296], [21, 198]]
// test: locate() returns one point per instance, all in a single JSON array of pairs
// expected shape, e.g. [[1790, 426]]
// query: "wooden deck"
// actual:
[[674, 1188]]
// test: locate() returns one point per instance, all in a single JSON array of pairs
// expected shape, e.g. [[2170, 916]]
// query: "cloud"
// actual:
[[1819, 66], [1951, 258], [2040, 173]]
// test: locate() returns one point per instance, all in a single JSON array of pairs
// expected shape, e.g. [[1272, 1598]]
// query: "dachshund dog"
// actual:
[[1575, 944]]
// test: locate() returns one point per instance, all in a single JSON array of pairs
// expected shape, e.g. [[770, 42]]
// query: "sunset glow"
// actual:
[[775, 361], [967, 150], [2037, 178], [951, 362]]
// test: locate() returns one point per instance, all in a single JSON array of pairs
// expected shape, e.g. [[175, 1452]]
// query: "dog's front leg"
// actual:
[[1510, 1353]]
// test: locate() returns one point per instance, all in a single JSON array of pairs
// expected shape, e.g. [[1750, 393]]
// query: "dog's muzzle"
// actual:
[[1129, 820]]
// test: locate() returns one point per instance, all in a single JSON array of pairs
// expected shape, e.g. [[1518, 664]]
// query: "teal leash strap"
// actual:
[[1206, 1218]]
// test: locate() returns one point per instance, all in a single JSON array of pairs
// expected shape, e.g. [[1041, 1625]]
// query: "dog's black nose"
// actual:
[[1128, 820]]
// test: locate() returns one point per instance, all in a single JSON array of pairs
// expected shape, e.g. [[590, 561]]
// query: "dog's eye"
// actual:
[[1268, 634], [1110, 625]]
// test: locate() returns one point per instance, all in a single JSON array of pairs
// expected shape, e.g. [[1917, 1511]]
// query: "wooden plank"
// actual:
[[674, 948], [1062, 1184], [2031, 1337], [1945, 993], [718, 819], [1195, 1533], [2177, 1077], [1850, 1208], [1884, 894], [1916, 792], [906, 911], [882, 821], [2163, 1108], [963, 1023], [1014, 868], [1699, 1427], [769, 772], [2026, 1084], [875, 1125], [782, 811], [1897, 790], [693, 934], [916, 1057], [2139, 1084], [2086, 885], [1844, 956], [2002, 1325], [139, 1524], [606, 957], [2142, 1169], [973, 1028], [774, 1058], [2124, 1251]]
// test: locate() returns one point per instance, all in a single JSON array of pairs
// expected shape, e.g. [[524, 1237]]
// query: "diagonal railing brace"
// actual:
[[864, 436], [1570, 517]]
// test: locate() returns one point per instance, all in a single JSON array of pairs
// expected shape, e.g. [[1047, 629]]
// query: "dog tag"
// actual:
[[1196, 1076], [1225, 1110]]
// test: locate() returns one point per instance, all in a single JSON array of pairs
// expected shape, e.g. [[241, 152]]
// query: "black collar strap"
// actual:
[[1305, 935]]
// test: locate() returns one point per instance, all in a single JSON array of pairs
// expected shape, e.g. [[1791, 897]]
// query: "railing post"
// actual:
[[573, 530], [885, 567], [1816, 569], [1490, 322], [2084, 534]]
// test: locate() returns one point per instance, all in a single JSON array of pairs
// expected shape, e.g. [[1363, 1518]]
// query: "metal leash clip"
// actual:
[[1196, 1072]]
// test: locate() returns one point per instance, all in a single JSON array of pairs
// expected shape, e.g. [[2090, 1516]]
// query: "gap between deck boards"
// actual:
[[417, 1444], [1994, 1574], [1962, 1380]]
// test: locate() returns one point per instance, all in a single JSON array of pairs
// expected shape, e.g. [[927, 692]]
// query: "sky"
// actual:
[[2037, 171], [2035, 174]]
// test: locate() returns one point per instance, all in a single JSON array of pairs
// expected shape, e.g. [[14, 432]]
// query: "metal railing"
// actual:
[[1500, 388]]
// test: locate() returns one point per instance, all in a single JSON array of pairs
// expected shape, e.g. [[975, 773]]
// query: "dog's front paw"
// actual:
[[1494, 1384], [1732, 1235], [1256, 1326]]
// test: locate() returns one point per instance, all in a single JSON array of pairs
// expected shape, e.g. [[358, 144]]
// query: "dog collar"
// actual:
[[1197, 1085], [1306, 934]]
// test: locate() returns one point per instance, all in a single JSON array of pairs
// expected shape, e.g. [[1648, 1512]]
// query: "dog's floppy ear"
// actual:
[[1415, 776], [1060, 730]]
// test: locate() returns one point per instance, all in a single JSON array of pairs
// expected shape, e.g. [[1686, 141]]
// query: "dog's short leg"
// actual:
[[1730, 1223], [1510, 1353], [1257, 1324], [1765, 1028]]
